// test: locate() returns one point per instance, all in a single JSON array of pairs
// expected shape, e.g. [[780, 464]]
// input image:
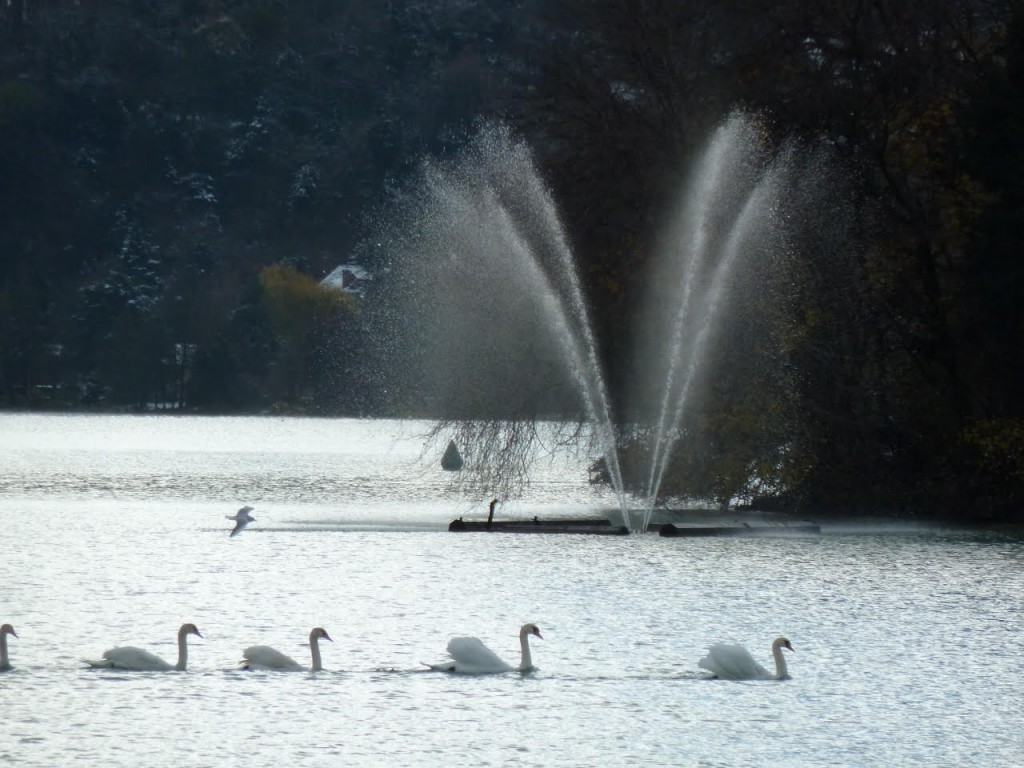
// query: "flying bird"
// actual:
[[242, 518]]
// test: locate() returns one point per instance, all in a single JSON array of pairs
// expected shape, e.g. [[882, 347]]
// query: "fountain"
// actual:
[[482, 238], [730, 201]]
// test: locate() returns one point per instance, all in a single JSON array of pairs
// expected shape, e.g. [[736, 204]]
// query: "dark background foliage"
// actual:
[[176, 177]]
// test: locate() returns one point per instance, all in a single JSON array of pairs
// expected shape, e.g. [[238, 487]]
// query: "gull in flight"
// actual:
[[242, 518]]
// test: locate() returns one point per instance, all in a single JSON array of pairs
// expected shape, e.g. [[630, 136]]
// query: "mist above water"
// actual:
[[728, 214], [493, 311], [496, 313]]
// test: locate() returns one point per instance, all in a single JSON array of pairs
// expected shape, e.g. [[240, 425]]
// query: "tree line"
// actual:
[[178, 177]]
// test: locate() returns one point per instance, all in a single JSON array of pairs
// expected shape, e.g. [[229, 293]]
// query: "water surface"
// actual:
[[907, 645]]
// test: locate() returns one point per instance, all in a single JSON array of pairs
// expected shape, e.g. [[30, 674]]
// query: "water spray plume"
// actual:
[[491, 224]]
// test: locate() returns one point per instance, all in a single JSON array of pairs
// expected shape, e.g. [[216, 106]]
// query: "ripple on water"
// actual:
[[906, 646]]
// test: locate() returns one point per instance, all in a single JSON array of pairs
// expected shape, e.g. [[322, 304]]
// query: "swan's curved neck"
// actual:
[[314, 648], [182, 650], [524, 643], [4, 663], [781, 670]]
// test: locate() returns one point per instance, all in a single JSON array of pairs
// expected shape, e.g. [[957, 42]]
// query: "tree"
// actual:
[[305, 316]]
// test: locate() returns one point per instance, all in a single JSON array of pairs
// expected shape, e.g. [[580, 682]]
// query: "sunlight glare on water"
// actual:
[[906, 645]]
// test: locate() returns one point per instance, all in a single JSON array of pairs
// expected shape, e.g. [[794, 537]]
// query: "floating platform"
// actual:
[[669, 530], [592, 526], [603, 527]]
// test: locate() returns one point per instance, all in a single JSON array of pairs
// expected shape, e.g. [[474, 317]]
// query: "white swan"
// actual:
[[734, 662], [5, 630], [472, 657], [265, 657], [138, 660], [242, 518]]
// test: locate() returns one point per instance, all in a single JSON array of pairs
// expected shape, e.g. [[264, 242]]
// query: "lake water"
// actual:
[[908, 643]]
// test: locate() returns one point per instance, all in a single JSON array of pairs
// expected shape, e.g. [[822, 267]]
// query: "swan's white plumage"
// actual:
[[134, 659], [265, 657], [258, 657], [5, 662], [469, 656], [137, 659], [734, 662]]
